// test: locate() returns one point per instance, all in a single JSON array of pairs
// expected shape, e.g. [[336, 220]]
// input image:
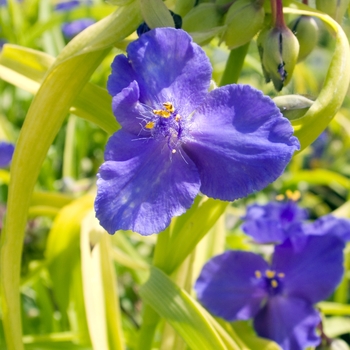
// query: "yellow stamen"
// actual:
[[178, 117], [279, 197], [161, 113], [294, 196], [270, 274], [281, 275], [274, 284], [257, 274], [169, 107], [149, 125]]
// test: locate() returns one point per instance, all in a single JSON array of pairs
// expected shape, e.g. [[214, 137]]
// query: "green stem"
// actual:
[[234, 65]]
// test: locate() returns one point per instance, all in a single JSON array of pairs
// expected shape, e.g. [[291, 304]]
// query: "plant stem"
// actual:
[[277, 14], [234, 65]]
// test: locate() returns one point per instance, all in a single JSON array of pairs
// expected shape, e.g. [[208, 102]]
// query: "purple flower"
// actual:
[[178, 139], [2, 43], [273, 222], [71, 29], [6, 152], [329, 225], [239, 285], [71, 4]]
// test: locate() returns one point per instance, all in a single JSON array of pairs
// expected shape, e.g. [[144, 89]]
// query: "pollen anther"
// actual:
[[294, 196], [279, 197], [274, 283], [161, 113], [281, 275], [270, 274], [169, 107], [173, 151], [177, 117], [149, 125], [257, 274]]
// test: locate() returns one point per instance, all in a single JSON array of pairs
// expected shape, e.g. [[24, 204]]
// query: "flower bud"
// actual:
[[334, 8], [293, 106], [202, 18], [244, 19], [279, 50], [306, 30]]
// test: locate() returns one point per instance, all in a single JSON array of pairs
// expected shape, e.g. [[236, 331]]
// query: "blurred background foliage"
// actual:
[[53, 291]]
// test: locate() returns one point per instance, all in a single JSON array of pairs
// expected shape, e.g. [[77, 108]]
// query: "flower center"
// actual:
[[272, 280], [168, 124]]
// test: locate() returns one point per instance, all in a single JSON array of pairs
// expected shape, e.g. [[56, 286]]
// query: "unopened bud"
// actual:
[[202, 18], [293, 106], [306, 30], [244, 19], [334, 8], [280, 49]]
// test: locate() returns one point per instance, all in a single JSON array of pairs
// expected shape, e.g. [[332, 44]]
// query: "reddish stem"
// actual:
[[306, 2], [277, 14]]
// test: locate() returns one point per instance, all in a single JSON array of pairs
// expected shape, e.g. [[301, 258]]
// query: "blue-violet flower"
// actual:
[[239, 285], [178, 139], [71, 29], [274, 221], [6, 152]]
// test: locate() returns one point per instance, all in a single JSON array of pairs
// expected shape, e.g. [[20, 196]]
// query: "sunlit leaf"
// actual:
[[181, 311]]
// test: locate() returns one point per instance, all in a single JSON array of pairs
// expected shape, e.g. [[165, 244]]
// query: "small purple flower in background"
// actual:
[[178, 139], [6, 152], [318, 148], [274, 221], [67, 5], [2, 43], [239, 285], [71, 29]]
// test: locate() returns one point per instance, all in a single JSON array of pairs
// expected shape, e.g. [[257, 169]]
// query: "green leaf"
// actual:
[[315, 177], [335, 85], [63, 246], [156, 14], [100, 292], [93, 285], [26, 68], [250, 339], [181, 311], [331, 308], [184, 239], [57, 93]]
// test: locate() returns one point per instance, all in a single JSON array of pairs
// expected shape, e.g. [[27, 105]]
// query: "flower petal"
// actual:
[[313, 272], [228, 287], [240, 142], [129, 112], [329, 225], [170, 67], [71, 29], [141, 187], [273, 222], [122, 75], [6, 152], [290, 322]]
